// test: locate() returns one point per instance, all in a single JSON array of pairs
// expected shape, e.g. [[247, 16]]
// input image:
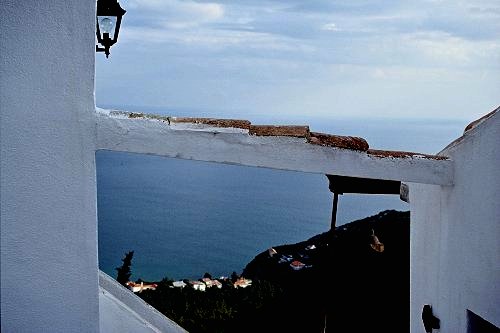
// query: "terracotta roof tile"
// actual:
[[346, 142], [271, 130]]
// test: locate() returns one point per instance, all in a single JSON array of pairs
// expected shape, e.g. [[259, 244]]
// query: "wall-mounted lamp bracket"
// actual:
[[108, 22]]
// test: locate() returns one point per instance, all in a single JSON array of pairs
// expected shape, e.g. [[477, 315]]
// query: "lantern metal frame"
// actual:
[[108, 8]]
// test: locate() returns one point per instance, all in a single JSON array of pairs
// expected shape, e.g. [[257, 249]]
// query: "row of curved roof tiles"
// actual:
[[299, 131]]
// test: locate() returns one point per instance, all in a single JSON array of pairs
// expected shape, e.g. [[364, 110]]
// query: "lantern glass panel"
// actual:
[[107, 24]]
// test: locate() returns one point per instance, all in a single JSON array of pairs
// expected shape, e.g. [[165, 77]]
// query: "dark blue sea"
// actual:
[[184, 218]]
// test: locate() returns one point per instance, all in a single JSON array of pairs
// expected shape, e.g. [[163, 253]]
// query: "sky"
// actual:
[[434, 59]]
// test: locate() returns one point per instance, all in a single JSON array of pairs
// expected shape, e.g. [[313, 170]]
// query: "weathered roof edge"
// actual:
[[403, 154], [470, 128], [216, 122], [480, 120], [299, 131], [236, 146]]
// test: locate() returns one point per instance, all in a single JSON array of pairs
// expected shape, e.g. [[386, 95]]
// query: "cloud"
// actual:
[[297, 55], [175, 14], [330, 27], [446, 49], [233, 41]]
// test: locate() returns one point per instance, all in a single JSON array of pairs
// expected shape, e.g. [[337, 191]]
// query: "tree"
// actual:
[[124, 272], [234, 277], [207, 276]]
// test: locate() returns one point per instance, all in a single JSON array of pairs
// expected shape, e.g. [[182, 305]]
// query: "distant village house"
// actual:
[[197, 285], [139, 287], [209, 283], [242, 283], [178, 284], [297, 265]]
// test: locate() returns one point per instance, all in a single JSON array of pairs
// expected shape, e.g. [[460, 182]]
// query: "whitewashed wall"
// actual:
[[455, 248], [49, 273], [48, 187]]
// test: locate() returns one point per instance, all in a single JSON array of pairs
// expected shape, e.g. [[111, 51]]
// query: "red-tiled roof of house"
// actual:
[[296, 263]]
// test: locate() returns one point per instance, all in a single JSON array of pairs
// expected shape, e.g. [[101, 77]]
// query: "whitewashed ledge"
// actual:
[[121, 311], [150, 134]]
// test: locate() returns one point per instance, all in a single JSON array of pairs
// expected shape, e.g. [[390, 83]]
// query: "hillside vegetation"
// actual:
[[344, 285]]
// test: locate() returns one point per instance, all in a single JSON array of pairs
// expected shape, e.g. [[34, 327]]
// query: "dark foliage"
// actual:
[[234, 276], [216, 310], [356, 288], [347, 286], [124, 271]]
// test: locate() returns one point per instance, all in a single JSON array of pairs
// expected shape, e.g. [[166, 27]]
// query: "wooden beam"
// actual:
[[343, 184], [335, 203]]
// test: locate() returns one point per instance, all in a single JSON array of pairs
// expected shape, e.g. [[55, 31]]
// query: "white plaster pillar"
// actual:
[[454, 238], [49, 266]]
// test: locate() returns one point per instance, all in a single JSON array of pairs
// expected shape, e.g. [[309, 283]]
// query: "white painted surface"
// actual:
[[124, 312], [48, 187], [236, 147], [455, 248]]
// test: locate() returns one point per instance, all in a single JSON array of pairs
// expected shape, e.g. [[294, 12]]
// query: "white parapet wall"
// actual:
[[123, 312], [455, 231], [49, 132]]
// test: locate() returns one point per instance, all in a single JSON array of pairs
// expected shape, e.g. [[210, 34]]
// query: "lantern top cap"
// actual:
[[109, 8]]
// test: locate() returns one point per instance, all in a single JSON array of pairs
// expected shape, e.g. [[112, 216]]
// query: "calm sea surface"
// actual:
[[184, 218]]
